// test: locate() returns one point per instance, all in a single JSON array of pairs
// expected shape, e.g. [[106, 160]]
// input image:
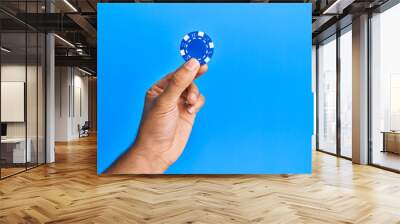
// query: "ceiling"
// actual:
[[75, 23]]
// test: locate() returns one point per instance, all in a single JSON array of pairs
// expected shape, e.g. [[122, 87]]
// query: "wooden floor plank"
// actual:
[[69, 191]]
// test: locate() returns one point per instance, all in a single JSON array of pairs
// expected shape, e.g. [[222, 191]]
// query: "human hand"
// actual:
[[169, 113]]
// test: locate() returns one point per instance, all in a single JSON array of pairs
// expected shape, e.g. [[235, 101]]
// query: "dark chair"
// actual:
[[84, 130]]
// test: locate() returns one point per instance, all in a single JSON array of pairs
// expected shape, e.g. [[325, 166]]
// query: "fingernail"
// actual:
[[192, 64], [191, 110]]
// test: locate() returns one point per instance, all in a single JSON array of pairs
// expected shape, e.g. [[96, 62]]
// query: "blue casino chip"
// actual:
[[197, 45]]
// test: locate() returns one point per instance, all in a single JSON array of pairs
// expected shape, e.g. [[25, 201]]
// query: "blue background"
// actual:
[[258, 116]]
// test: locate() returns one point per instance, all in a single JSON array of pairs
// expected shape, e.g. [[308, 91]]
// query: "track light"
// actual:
[[70, 5], [65, 41], [84, 71], [5, 50]]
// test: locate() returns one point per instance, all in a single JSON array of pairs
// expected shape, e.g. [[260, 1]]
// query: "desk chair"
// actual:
[[84, 130]]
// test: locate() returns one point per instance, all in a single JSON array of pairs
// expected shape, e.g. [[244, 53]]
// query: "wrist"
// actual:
[[138, 161], [147, 161]]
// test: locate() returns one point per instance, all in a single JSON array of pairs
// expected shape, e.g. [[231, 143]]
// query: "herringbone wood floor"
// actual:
[[69, 191]]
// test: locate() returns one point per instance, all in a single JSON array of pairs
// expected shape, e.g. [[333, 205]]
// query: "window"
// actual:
[[346, 92], [385, 89], [327, 95]]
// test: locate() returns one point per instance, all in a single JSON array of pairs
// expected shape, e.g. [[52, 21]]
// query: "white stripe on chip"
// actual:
[[186, 37], [211, 44], [182, 52], [207, 59], [201, 34]]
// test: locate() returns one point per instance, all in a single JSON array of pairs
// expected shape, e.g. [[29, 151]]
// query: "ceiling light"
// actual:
[[84, 71], [65, 41], [5, 50], [337, 7], [70, 5]]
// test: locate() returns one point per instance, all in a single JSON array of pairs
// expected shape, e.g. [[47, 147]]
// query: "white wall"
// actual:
[[12, 73], [70, 84], [17, 73], [62, 82], [79, 117]]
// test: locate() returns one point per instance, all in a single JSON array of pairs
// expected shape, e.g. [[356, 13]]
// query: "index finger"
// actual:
[[163, 82]]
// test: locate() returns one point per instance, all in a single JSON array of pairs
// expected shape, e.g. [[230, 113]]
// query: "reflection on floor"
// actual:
[[387, 159], [9, 170], [70, 191]]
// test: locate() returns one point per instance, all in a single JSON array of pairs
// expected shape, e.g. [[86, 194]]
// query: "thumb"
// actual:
[[180, 80]]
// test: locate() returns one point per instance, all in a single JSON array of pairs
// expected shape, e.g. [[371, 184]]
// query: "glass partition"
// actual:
[[13, 109], [22, 89]]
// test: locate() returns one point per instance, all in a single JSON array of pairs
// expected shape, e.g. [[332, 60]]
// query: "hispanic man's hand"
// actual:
[[169, 113]]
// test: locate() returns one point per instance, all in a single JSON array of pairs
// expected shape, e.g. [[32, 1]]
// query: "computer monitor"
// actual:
[[3, 129]]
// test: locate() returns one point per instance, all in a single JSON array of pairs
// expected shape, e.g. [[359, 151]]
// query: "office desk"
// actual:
[[13, 150], [391, 141]]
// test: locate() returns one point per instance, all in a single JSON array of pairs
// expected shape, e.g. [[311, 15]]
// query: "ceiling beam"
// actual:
[[86, 26], [78, 61]]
